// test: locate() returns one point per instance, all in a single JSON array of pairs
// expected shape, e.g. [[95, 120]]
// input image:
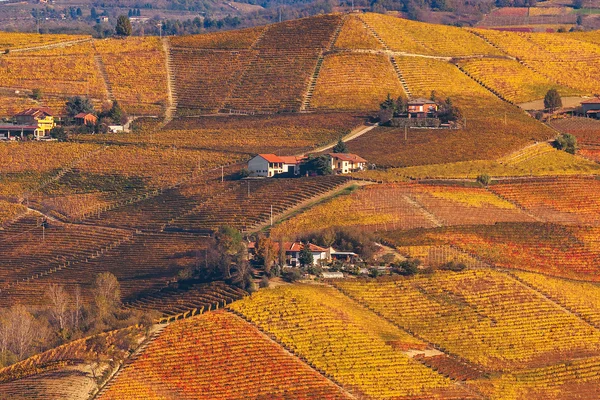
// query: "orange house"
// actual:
[[85, 119]]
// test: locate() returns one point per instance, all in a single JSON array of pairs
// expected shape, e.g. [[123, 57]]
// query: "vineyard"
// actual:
[[284, 134], [345, 341], [351, 81], [577, 205], [580, 298], [500, 128], [520, 320], [238, 39], [551, 55], [355, 35], [537, 160], [15, 40], [485, 317], [415, 37], [586, 130], [404, 206], [558, 250], [67, 71], [247, 205], [218, 355], [570, 380], [136, 73], [143, 263], [513, 80]]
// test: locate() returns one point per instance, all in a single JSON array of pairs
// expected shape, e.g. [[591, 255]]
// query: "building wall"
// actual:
[[258, 166]]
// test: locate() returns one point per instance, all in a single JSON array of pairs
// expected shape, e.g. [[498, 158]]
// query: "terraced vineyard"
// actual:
[[404, 206], [209, 357], [514, 81], [68, 71], [351, 81], [143, 263], [500, 128], [186, 301], [558, 250], [250, 204], [577, 204], [137, 75], [472, 315], [310, 319]]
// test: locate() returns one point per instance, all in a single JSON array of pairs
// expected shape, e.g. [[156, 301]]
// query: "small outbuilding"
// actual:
[[85, 119], [591, 108]]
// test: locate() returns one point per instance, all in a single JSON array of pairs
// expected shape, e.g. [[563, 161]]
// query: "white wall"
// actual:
[[258, 166]]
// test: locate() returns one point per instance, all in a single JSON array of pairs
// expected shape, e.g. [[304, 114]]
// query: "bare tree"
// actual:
[[58, 300], [77, 306], [24, 330]]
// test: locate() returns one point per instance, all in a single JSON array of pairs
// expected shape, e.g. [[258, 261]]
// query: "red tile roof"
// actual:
[[293, 247], [35, 112], [348, 157], [595, 100], [272, 158], [83, 115], [291, 159]]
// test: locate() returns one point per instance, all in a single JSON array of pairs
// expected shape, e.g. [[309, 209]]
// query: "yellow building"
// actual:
[[41, 119]]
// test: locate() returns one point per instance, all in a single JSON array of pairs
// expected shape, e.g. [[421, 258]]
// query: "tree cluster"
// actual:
[[316, 165], [566, 142], [448, 112], [225, 259], [68, 315]]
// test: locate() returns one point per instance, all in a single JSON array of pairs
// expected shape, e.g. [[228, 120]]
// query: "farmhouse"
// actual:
[[85, 119], [268, 165], [421, 108], [591, 108], [33, 121], [292, 252], [344, 163]]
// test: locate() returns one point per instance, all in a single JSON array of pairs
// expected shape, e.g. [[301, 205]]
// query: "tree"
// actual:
[[577, 4], [407, 267], [107, 294], [320, 165], [36, 94], [340, 147], [448, 112], [387, 109], [78, 104], [58, 300], [229, 250], [123, 27], [305, 257], [266, 252], [401, 105], [58, 133], [552, 100], [115, 114], [484, 179], [567, 142]]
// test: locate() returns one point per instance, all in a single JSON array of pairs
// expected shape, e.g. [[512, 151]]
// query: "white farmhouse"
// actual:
[[344, 163], [268, 165]]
